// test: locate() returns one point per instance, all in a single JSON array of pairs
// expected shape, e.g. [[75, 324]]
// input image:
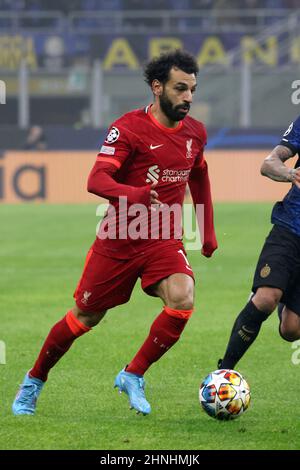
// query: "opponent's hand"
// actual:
[[295, 176], [154, 196]]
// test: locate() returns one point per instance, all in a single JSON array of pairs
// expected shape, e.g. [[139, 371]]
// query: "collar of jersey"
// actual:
[[161, 126]]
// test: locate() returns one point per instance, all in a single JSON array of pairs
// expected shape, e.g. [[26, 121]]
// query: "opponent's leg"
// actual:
[[177, 293], [248, 324], [60, 338], [279, 311], [289, 327]]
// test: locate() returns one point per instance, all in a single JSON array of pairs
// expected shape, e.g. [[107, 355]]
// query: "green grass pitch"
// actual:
[[42, 252]]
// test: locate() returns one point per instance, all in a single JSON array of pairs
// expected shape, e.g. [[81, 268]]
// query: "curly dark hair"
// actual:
[[159, 67]]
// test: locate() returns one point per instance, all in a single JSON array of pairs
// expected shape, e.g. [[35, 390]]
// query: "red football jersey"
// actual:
[[144, 151]]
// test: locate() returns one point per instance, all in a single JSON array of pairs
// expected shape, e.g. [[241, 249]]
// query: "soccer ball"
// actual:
[[224, 394]]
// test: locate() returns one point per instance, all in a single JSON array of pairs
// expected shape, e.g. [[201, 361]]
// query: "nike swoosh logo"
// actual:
[[152, 147], [247, 331]]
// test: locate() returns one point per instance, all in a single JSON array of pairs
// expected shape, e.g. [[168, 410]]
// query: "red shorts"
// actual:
[[107, 282]]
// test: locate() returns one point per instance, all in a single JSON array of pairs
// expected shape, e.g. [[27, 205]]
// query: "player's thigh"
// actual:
[[105, 283], [291, 297], [167, 274], [277, 262]]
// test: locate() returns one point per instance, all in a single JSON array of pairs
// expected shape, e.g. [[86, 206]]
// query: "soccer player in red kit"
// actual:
[[147, 159]]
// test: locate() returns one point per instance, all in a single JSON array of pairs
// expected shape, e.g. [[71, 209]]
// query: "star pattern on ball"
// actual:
[[224, 394]]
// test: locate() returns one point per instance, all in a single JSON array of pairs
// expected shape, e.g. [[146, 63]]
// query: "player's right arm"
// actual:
[[101, 182], [274, 166]]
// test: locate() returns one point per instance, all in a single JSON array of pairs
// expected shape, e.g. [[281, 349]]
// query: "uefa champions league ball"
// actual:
[[224, 394]]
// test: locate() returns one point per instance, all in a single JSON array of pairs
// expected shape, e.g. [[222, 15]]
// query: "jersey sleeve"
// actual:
[[199, 160], [291, 137], [117, 146]]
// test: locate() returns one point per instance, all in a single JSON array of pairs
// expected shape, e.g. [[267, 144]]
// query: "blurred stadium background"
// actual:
[[70, 68], [78, 65]]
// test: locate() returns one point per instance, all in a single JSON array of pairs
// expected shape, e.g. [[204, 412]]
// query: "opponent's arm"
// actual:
[[274, 168]]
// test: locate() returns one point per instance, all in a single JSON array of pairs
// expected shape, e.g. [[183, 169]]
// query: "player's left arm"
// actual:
[[274, 166], [199, 185]]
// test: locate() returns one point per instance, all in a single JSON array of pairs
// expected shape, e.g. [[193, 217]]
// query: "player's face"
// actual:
[[177, 94]]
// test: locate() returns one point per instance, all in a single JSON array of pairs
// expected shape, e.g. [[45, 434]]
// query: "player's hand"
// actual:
[[208, 248], [154, 196], [296, 177]]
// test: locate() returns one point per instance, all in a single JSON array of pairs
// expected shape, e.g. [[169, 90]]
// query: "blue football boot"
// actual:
[[133, 385], [25, 401]]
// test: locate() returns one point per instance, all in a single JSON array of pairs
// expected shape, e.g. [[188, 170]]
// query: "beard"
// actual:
[[174, 113]]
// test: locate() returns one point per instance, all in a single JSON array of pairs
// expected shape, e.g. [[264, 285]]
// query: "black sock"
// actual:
[[244, 332]]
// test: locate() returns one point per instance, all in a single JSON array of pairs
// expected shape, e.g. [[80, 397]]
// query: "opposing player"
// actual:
[[147, 159], [277, 275]]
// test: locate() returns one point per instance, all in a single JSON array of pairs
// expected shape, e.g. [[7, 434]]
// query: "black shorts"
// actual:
[[279, 266]]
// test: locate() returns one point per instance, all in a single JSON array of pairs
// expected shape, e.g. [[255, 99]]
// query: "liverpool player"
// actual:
[[147, 159], [277, 275]]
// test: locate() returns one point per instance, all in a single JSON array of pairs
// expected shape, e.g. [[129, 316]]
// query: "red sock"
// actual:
[[57, 343], [165, 331]]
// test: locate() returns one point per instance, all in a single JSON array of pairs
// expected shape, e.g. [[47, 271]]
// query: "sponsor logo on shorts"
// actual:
[[113, 135], [265, 271]]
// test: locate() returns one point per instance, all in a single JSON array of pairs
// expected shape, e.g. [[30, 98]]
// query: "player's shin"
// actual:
[[164, 333], [57, 343], [244, 332]]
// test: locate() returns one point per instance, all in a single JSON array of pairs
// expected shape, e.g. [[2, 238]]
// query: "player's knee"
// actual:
[[289, 327], [183, 300], [288, 334], [89, 319], [266, 299]]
